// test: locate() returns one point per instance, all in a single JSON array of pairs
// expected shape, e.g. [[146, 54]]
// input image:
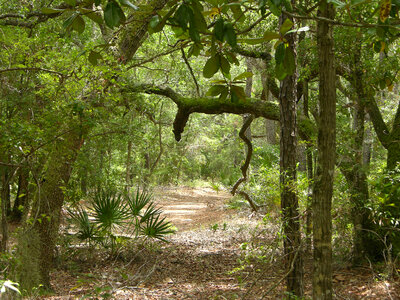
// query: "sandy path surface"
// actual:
[[188, 208]]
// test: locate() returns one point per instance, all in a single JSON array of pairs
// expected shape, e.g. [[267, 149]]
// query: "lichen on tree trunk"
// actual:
[[288, 177], [41, 232], [323, 189]]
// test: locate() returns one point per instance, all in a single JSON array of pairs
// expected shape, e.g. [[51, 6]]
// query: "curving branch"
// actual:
[[242, 134]]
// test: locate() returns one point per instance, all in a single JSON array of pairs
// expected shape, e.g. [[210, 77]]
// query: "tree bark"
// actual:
[[288, 177], [46, 212], [323, 190], [22, 197], [310, 171], [5, 194]]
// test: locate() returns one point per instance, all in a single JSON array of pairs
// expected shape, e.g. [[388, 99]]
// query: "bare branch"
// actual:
[[32, 69], [191, 71]]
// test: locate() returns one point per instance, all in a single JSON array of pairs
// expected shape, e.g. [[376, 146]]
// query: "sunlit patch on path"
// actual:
[[188, 208]]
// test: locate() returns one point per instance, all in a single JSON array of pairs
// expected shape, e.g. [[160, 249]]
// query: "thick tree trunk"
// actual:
[[393, 155], [323, 190], [37, 244], [289, 201]]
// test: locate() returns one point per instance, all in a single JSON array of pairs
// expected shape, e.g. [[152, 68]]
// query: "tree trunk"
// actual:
[[289, 201], [22, 197], [323, 190], [5, 194], [310, 172], [365, 243], [128, 175], [270, 125], [37, 243]]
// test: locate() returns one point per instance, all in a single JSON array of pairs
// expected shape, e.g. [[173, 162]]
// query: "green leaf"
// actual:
[[230, 34], [234, 97], [337, 3], [68, 22], [156, 24], [269, 36], [113, 14], [243, 76], [225, 66], [70, 2], [12, 286], [237, 12], [78, 24], [195, 49], [288, 5], [224, 94], [94, 16], [280, 72], [154, 21], [94, 57], [212, 66], [194, 33], [128, 4], [274, 9], [301, 29], [216, 90], [289, 62], [280, 53], [380, 32], [377, 46], [239, 91], [357, 2], [219, 29], [199, 21], [287, 24], [50, 11], [232, 58], [183, 15]]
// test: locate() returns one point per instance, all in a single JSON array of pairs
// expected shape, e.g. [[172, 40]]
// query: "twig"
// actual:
[[33, 69], [333, 22], [286, 275], [191, 71]]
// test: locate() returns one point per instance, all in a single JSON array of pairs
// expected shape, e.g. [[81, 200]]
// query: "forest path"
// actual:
[[188, 208], [216, 253]]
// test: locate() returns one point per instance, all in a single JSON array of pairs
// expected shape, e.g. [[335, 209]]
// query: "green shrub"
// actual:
[[113, 218]]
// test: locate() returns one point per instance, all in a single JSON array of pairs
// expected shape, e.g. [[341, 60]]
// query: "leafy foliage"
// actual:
[[113, 218], [109, 210]]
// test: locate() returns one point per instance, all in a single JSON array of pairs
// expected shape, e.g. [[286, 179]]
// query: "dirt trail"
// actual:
[[188, 208], [201, 262]]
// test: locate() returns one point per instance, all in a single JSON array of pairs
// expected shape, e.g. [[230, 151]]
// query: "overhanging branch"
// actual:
[[187, 106]]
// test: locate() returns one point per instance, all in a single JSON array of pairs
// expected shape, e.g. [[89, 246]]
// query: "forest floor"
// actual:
[[217, 253]]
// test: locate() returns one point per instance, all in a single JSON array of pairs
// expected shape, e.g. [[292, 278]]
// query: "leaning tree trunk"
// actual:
[[37, 243], [323, 190], [289, 201]]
